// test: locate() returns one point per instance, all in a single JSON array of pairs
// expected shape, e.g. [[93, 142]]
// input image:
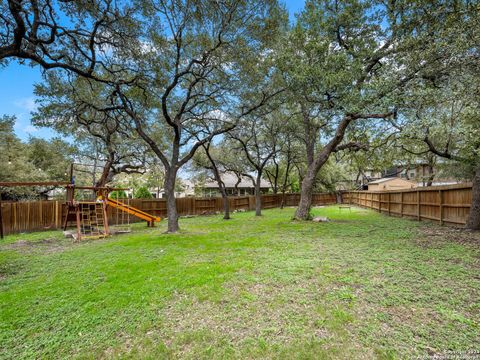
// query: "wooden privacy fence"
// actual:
[[49, 215], [445, 204]]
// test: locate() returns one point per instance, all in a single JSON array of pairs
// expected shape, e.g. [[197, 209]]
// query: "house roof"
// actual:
[[418, 162], [383, 180], [231, 179]]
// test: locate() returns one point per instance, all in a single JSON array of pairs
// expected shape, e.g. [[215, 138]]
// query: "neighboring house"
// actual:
[[209, 188], [359, 180], [422, 173], [188, 188], [392, 183], [370, 175], [185, 189], [233, 186]]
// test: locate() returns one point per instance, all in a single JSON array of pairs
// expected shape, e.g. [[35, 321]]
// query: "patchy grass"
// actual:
[[361, 286]]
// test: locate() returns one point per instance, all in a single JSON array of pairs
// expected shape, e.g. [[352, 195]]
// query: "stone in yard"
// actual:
[[320, 219], [69, 234]]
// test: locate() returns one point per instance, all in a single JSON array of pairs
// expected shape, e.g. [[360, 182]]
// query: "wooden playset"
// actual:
[[89, 217]]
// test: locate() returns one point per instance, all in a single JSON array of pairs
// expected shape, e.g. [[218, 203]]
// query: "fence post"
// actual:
[[28, 217], [13, 211], [440, 194], [1, 220], [56, 214], [41, 213], [401, 204], [389, 203], [418, 206], [251, 202]]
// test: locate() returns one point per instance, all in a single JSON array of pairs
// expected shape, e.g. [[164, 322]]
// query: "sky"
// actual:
[[17, 83]]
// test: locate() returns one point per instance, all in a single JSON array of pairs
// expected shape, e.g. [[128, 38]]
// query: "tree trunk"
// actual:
[[94, 175], [284, 185], [275, 185], [106, 176], [473, 222], [258, 196], [303, 210], [107, 173], [221, 184], [430, 180], [223, 192], [431, 175], [314, 166], [282, 203], [339, 196], [226, 207], [172, 214]]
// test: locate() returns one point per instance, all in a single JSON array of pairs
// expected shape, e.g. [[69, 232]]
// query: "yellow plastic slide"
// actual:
[[133, 211]]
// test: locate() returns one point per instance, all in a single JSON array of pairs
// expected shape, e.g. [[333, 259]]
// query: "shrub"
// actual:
[[142, 193], [118, 195]]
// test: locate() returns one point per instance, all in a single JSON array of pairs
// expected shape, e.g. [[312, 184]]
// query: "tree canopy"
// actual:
[[345, 88]]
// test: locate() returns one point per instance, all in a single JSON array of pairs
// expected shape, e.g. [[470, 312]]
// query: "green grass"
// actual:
[[361, 286]]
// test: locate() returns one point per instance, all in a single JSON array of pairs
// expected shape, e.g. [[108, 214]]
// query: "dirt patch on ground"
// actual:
[[432, 235], [49, 245]]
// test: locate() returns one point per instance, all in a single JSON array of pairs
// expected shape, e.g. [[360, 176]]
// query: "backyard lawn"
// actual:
[[363, 285]]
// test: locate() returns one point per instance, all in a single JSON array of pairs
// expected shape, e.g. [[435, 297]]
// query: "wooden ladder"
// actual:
[[92, 220]]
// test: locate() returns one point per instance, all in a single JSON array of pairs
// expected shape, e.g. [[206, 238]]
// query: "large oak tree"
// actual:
[[345, 62], [197, 85]]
